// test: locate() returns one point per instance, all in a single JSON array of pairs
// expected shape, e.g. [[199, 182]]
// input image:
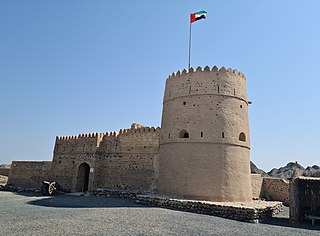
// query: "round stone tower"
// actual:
[[204, 140]]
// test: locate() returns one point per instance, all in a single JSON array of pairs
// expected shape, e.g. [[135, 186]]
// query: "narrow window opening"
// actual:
[[169, 135], [234, 92], [242, 137], [169, 94], [240, 106], [222, 135], [184, 103], [218, 89], [201, 134]]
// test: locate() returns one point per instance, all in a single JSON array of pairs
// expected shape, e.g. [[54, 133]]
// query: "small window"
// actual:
[[240, 106], [184, 103], [169, 135], [218, 89], [222, 135], [201, 134], [234, 92], [242, 137], [183, 134]]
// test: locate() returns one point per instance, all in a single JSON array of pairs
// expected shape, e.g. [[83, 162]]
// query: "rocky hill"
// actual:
[[292, 169], [256, 170], [7, 166], [3, 180]]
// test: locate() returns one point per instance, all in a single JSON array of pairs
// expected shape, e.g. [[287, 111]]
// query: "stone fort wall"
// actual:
[[275, 189], [29, 174], [125, 160]]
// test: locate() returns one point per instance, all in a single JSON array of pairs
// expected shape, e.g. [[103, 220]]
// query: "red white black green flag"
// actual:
[[197, 16]]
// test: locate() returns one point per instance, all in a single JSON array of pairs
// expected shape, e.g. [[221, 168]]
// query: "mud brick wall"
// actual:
[[29, 174], [128, 161], [276, 189]]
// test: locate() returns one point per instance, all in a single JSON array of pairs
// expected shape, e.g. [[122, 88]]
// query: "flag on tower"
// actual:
[[197, 16]]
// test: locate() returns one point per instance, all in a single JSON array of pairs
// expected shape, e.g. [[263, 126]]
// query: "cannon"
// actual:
[[50, 188]]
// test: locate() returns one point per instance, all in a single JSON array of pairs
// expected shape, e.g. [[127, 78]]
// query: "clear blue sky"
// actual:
[[70, 67]]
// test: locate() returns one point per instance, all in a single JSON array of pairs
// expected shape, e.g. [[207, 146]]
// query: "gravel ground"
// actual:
[[80, 215]]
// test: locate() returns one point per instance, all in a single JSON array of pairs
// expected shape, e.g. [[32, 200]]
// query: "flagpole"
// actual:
[[189, 44]]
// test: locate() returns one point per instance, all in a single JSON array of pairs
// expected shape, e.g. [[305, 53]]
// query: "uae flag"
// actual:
[[197, 16]]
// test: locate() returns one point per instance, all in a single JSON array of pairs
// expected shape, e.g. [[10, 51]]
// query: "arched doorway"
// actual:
[[83, 178]]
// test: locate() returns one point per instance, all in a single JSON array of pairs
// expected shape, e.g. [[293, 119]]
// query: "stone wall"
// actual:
[[4, 171], [256, 185], [252, 212], [29, 174], [129, 161], [126, 160], [276, 189], [69, 153]]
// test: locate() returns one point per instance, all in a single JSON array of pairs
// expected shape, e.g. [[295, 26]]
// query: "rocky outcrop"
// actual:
[[3, 180], [313, 171], [256, 170], [5, 166], [292, 169]]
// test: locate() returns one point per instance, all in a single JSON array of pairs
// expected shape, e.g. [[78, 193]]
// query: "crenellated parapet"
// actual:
[[214, 69], [135, 137], [206, 81], [108, 141], [82, 143], [80, 136]]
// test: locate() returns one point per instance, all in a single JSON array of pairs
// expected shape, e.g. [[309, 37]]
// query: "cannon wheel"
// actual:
[[52, 189]]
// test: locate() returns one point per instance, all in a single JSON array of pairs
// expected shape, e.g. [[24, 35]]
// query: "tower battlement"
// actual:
[[214, 69]]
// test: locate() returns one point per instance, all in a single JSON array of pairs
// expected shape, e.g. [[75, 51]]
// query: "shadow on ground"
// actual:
[[65, 201], [285, 222]]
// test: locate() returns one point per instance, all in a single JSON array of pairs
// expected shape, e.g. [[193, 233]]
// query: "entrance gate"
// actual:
[[83, 178]]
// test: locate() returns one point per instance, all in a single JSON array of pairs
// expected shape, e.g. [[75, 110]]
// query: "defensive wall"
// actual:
[[124, 160], [4, 171], [28, 174], [275, 189], [205, 143]]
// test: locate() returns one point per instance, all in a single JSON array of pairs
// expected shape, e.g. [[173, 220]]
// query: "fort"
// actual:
[[200, 151]]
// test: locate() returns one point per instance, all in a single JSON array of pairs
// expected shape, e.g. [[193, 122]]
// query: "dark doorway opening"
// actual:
[[83, 178]]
